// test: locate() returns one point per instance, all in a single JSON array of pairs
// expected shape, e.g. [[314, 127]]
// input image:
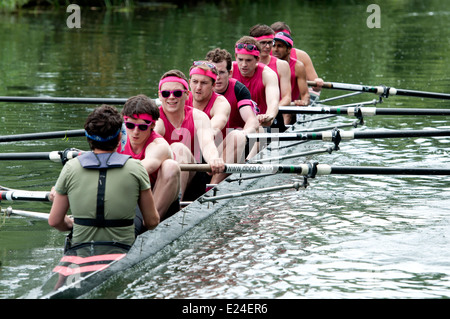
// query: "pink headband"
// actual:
[[281, 36], [263, 37], [209, 73], [244, 51], [173, 79], [286, 31], [142, 116]]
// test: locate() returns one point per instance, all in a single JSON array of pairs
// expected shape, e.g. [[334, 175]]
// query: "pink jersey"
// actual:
[[235, 120], [186, 134], [208, 106], [128, 151], [294, 84], [254, 84]]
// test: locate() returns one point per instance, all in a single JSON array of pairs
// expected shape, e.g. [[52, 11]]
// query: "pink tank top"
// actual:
[[128, 151], [185, 134], [294, 85], [254, 84], [235, 120], [208, 106]]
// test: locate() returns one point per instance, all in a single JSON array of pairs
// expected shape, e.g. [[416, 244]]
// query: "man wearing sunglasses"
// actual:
[[264, 35], [188, 132], [261, 80], [140, 114]]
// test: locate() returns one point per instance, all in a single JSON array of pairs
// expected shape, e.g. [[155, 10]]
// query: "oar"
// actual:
[[337, 135], [75, 100], [20, 195], [72, 100], [313, 169], [41, 135], [55, 156], [381, 90], [362, 111], [9, 211]]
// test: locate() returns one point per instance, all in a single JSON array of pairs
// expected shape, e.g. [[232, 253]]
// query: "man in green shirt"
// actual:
[[102, 187]]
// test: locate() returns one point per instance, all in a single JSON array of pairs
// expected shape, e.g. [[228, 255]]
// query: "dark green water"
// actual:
[[343, 237]]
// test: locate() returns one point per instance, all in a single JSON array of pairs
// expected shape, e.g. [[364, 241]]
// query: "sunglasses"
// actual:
[[176, 93], [141, 127], [209, 65], [247, 46]]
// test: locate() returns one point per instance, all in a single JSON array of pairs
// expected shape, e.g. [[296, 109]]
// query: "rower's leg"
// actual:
[[232, 151], [183, 156], [167, 186]]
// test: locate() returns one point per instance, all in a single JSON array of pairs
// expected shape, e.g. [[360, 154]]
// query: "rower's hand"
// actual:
[[217, 166], [319, 84], [51, 195], [301, 103], [265, 119]]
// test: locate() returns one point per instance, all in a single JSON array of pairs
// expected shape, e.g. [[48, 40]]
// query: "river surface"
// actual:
[[344, 236]]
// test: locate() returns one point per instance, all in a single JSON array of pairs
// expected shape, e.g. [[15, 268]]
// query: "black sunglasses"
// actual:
[[176, 93], [141, 127]]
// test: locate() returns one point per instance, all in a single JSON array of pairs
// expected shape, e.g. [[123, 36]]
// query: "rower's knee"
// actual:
[[170, 169]]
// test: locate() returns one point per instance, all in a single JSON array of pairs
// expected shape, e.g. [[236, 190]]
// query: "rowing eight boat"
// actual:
[[87, 268]]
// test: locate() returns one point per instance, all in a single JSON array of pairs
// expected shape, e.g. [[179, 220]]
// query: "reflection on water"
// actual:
[[342, 237]]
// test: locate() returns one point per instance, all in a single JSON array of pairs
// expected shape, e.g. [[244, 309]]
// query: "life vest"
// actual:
[[102, 162]]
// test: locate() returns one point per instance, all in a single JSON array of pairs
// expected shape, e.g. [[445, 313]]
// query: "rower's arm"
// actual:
[[159, 127], [221, 114], [300, 73], [284, 71], [58, 218], [206, 140], [270, 80], [156, 153], [148, 209], [250, 119]]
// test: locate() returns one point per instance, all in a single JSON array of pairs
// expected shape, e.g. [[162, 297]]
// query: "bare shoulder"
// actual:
[[302, 54], [269, 73], [282, 63]]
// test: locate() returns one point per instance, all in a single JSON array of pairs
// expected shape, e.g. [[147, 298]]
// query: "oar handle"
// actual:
[[195, 167], [34, 196]]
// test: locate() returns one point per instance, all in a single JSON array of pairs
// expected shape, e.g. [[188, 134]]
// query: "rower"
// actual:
[[282, 47], [202, 96], [264, 35], [187, 130], [98, 187], [242, 119], [261, 81], [140, 114], [302, 56]]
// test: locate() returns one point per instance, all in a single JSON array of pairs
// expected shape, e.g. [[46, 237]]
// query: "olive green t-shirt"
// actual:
[[123, 186]]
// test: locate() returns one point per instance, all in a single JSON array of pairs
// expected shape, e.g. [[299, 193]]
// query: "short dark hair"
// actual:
[[280, 26], [218, 55], [140, 104], [105, 121], [260, 30]]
